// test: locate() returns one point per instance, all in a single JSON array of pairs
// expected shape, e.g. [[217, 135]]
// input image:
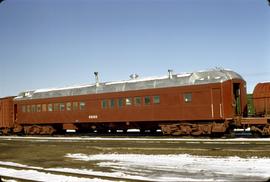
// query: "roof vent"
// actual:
[[170, 73], [26, 94], [133, 76], [97, 79]]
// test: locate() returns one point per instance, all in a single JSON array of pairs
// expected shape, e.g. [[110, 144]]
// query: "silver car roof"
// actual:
[[175, 80]]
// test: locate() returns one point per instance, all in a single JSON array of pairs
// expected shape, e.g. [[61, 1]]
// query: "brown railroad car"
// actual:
[[261, 99], [196, 103], [6, 114], [259, 123]]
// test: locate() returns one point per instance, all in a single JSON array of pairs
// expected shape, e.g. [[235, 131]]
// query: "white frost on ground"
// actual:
[[173, 167]]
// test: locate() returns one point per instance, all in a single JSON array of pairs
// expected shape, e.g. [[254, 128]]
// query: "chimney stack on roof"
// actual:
[[170, 73], [97, 79]]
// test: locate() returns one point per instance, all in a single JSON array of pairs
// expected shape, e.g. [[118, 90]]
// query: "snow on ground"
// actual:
[[134, 139], [124, 175], [175, 167], [18, 165], [180, 167], [29, 173], [40, 176]]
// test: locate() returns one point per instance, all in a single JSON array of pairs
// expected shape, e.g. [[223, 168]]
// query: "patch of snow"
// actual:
[[125, 176], [182, 165], [13, 164], [34, 175], [31, 174]]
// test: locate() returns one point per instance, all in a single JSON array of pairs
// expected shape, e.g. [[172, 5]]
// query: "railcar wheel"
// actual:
[[256, 135], [5, 131]]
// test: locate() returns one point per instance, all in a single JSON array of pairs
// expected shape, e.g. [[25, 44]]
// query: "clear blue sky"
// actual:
[[55, 43]]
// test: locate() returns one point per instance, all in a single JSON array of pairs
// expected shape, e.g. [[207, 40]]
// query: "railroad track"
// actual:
[[72, 175]]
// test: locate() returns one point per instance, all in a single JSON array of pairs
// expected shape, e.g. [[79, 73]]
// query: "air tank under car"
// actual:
[[261, 99]]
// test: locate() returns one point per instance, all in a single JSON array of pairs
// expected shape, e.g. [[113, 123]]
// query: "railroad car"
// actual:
[[6, 114], [259, 122], [207, 102], [195, 103], [261, 99]]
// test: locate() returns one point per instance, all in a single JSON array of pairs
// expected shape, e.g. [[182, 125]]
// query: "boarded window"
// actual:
[[56, 107], [68, 106], [156, 99], [23, 108], [111, 102], [147, 100], [62, 106], [39, 108], [82, 105], [187, 97], [137, 101], [75, 106], [50, 107], [128, 101], [104, 104], [44, 107]]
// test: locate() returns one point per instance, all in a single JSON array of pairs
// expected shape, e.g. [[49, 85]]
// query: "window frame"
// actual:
[[156, 99], [120, 102], [68, 106], [104, 104], [62, 107], [24, 109], [112, 103], [82, 105], [136, 99], [187, 97], [128, 101], [75, 106], [33, 108], [38, 108], [147, 100], [44, 108], [28, 108], [56, 107], [50, 107]]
